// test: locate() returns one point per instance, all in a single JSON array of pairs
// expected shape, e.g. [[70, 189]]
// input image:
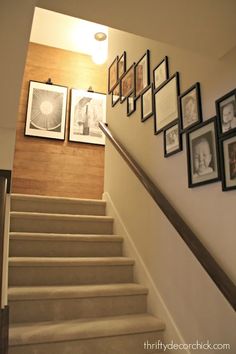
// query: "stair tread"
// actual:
[[64, 199], [32, 236], [90, 218], [44, 332], [74, 291], [69, 261]]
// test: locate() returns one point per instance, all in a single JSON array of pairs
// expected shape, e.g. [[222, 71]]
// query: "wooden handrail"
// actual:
[[220, 278]]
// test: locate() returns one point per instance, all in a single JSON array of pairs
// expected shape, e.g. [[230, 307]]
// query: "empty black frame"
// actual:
[[190, 108], [147, 106], [127, 83], [203, 154], [228, 161], [226, 113], [142, 74], [160, 73], [172, 139], [164, 114], [113, 74], [121, 65]]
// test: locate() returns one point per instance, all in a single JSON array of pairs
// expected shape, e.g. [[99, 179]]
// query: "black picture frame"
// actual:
[[113, 74], [115, 95], [131, 104], [46, 110], [172, 139], [121, 65], [87, 109], [166, 110], [228, 161], [160, 73], [190, 108], [147, 106], [203, 154], [127, 83], [226, 105], [142, 74]]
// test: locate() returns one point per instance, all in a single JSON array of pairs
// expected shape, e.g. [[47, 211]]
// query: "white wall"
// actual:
[[196, 305]]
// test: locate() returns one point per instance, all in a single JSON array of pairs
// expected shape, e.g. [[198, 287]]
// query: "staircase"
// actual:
[[70, 289]]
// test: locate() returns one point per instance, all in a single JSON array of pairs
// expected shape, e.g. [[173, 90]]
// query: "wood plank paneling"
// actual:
[[53, 167]]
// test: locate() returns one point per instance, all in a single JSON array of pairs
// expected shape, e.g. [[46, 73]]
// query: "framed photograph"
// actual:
[[115, 95], [226, 113], [147, 103], [160, 73], [121, 65], [142, 74], [113, 75], [172, 140], [203, 154], [46, 111], [190, 107], [131, 104], [87, 109], [228, 162], [166, 104], [127, 83]]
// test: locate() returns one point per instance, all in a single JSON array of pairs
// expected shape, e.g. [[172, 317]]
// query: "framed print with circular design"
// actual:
[[46, 110]]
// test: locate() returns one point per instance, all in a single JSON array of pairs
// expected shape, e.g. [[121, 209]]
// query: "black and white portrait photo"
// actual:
[[46, 111], [202, 149], [228, 162], [190, 107], [172, 140], [226, 113], [87, 110]]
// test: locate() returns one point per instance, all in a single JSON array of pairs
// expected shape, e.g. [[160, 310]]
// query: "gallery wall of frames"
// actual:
[[210, 143]]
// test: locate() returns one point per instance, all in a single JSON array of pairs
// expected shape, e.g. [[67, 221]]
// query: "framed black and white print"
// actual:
[[166, 104], [127, 83], [228, 162], [147, 103], [226, 113], [87, 109], [122, 65], [113, 74], [115, 95], [46, 110], [142, 74], [160, 73], [131, 104], [190, 107], [203, 154], [172, 140]]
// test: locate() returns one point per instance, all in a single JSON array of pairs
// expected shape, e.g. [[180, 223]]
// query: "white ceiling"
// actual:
[[61, 31], [204, 26]]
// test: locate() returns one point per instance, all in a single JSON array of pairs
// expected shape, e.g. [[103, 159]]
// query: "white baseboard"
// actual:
[[156, 304]]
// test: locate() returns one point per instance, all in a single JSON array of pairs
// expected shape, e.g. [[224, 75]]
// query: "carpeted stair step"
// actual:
[[31, 271], [60, 223], [57, 205], [107, 335], [55, 303], [24, 244]]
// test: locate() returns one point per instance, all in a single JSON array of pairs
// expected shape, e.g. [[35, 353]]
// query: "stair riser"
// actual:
[[56, 225], [58, 207], [40, 248], [124, 344], [44, 275], [66, 309]]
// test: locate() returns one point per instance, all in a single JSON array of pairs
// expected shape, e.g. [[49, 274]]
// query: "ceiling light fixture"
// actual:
[[99, 55]]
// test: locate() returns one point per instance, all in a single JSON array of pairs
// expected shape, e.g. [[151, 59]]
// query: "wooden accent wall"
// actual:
[[53, 167]]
